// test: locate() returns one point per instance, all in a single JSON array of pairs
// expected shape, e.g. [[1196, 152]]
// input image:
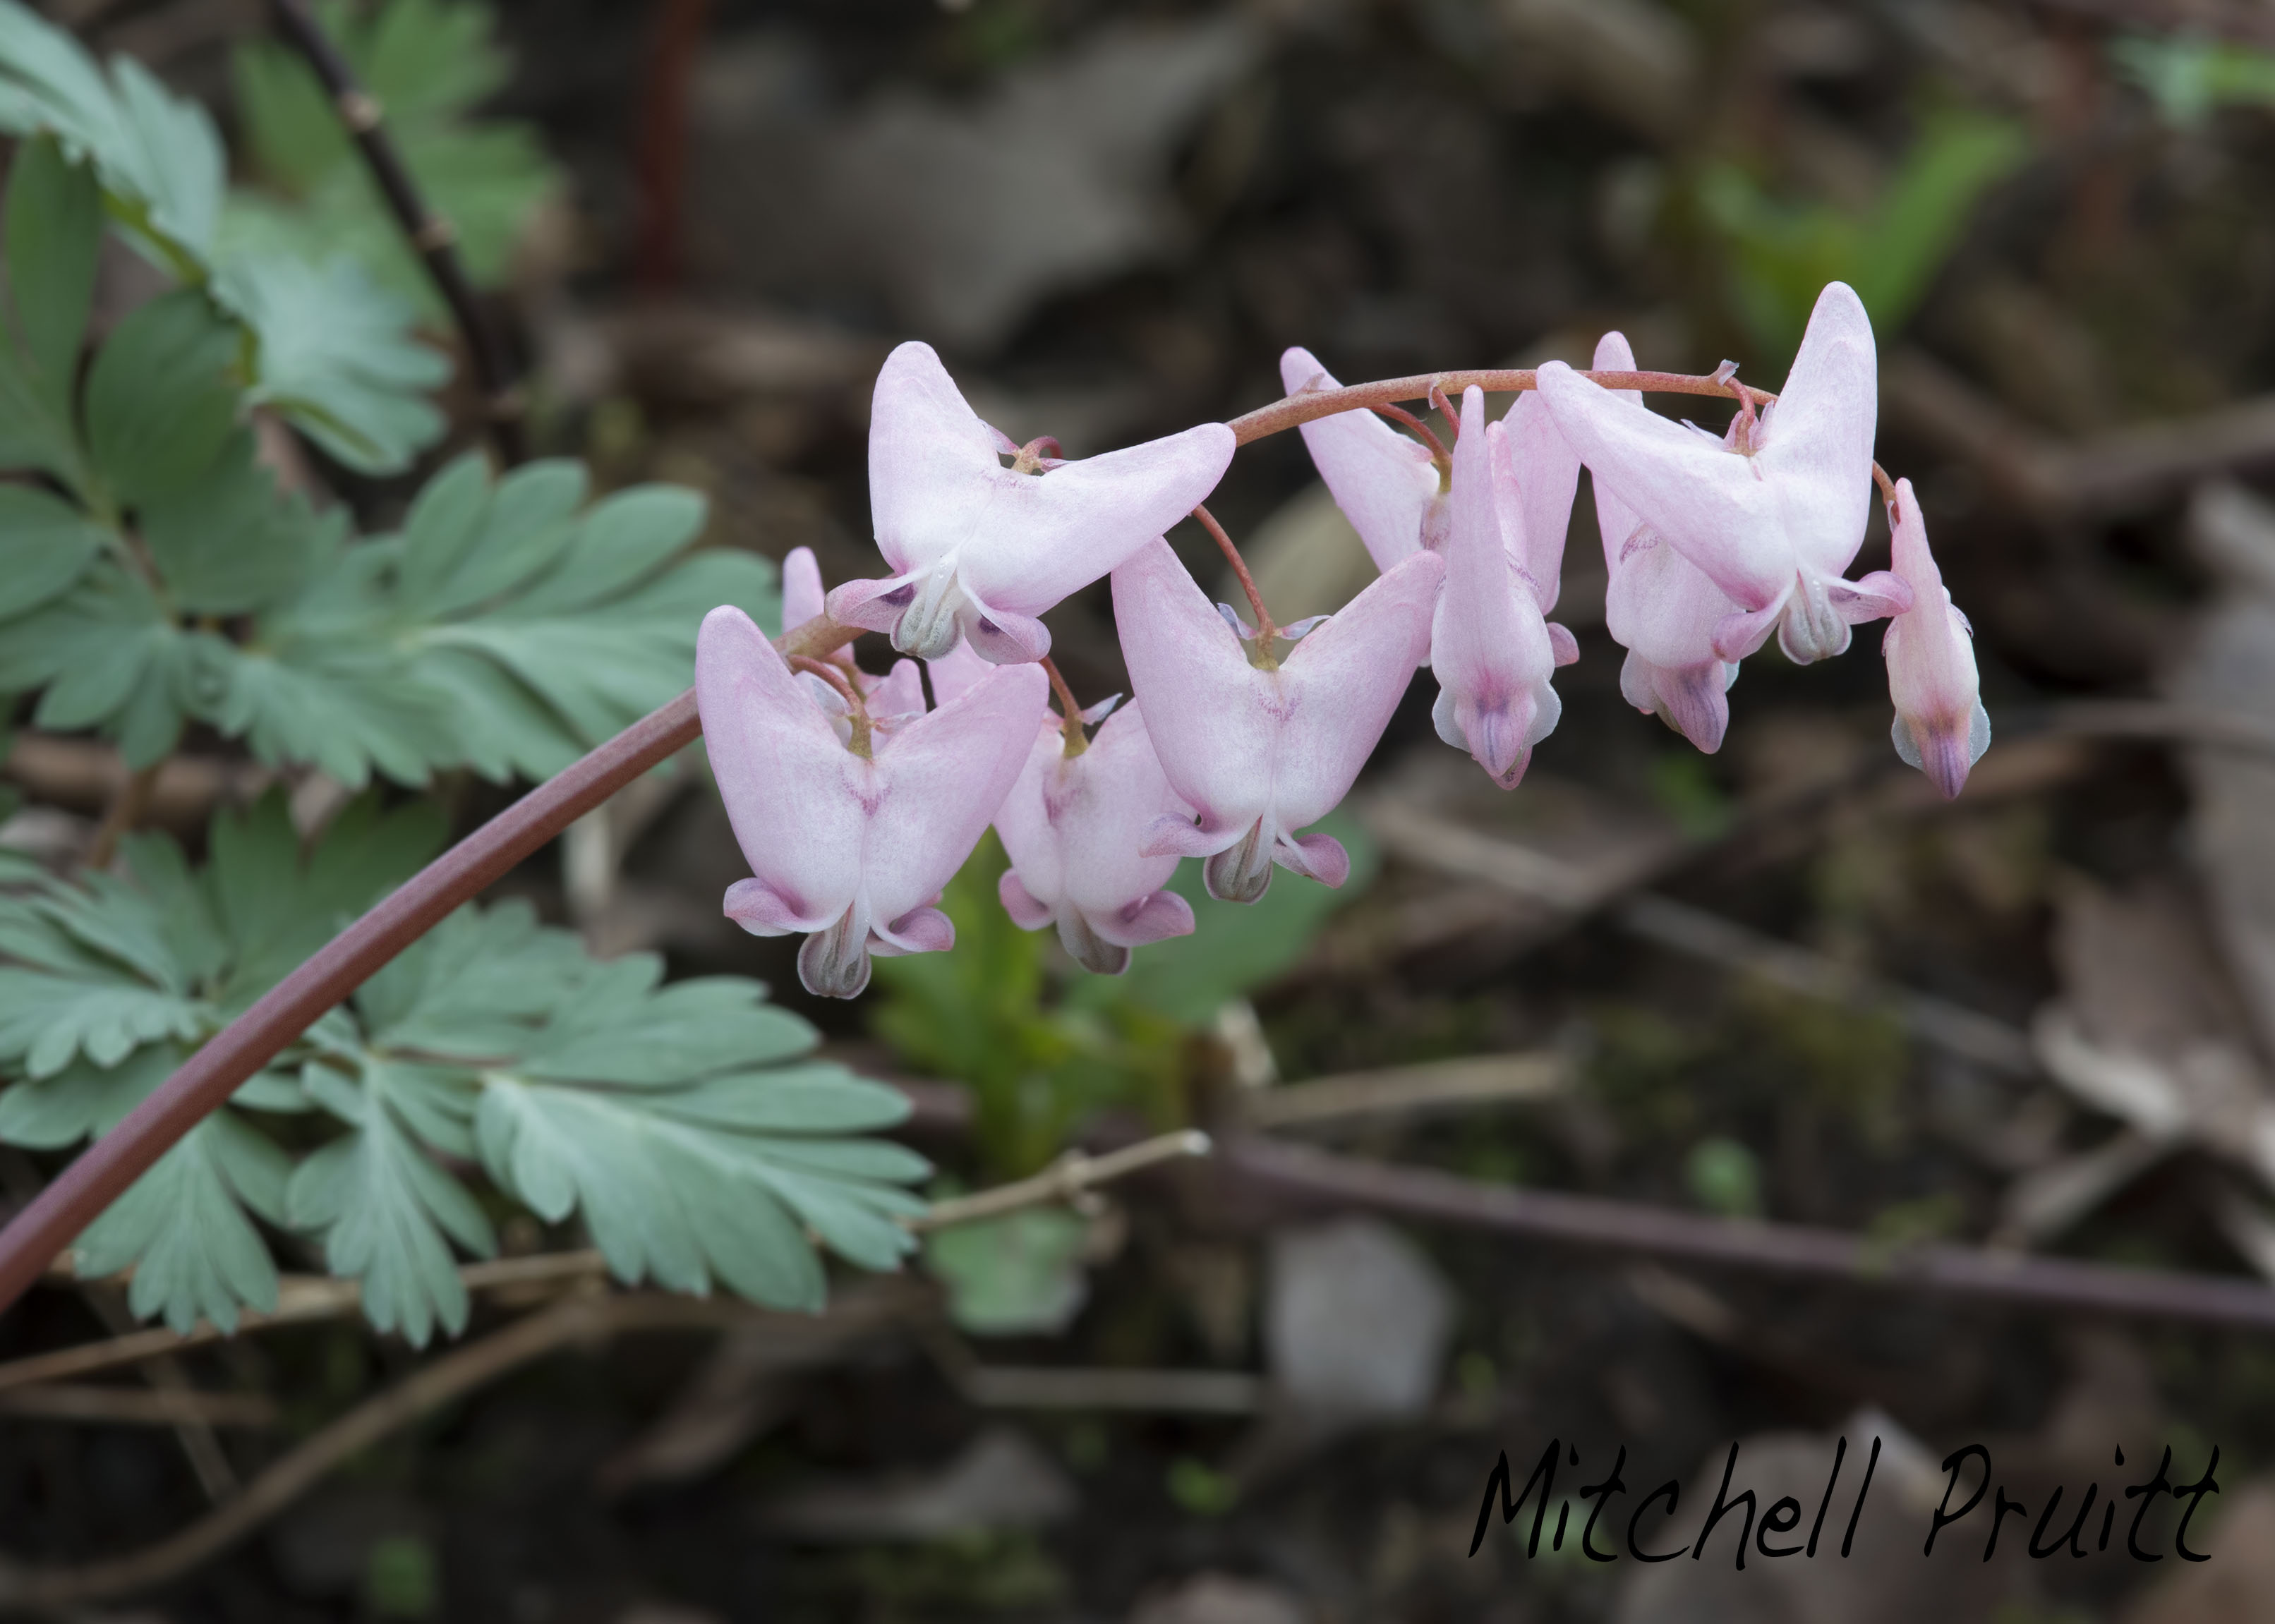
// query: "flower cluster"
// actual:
[[856, 796]]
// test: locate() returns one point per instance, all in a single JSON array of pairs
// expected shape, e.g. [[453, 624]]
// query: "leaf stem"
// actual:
[[1070, 712], [432, 235], [1439, 453]]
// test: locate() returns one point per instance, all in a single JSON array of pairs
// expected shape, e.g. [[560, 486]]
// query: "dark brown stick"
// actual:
[[662, 165], [206, 1081], [2015, 1277], [124, 815], [433, 238]]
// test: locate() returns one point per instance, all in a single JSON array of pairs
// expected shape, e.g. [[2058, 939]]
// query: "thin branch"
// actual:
[[1070, 712], [300, 1299], [1264, 626], [1070, 1177], [1428, 840], [1434, 1087], [124, 815], [1312, 405], [135, 1407], [433, 237], [1316, 1177]]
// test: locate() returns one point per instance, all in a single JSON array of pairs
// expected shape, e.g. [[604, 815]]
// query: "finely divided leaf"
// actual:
[[385, 1208], [428, 62], [182, 1229], [334, 357]]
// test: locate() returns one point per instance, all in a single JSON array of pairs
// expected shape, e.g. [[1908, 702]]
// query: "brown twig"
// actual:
[[1264, 626], [1314, 1177], [432, 236], [103, 1174], [1070, 1177], [1428, 840], [124, 815], [1429, 1089], [133, 1407]]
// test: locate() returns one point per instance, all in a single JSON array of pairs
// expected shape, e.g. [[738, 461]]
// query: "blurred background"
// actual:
[[1783, 983]]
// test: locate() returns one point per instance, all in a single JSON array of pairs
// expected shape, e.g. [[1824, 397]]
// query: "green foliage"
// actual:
[[684, 1121], [1780, 255], [317, 339], [509, 626], [154, 574], [1043, 1043], [429, 62], [2190, 78], [1017, 1275], [1724, 1176]]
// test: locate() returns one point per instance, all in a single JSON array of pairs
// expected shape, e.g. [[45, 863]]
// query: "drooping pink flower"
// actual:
[[1073, 825], [1774, 510], [1258, 742], [1941, 727], [852, 849], [1490, 647], [1662, 608], [1387, 484], [979, 550]]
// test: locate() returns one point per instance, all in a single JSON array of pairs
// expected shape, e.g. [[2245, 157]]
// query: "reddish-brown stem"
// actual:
[[1887, 485], [1439, 453], [1070, 712], [1310, 407], [1265, 629], [830, 671], [205, 1082]]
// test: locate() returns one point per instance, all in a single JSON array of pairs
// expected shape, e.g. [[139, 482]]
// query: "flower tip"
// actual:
[[834, 962], [1945, 756]]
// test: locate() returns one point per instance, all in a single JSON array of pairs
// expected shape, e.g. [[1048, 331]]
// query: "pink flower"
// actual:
[[978, 550], [1257, 742], [801, 589], [1073, 825], [1773, 511], [1662, 610], [1493, 650], [1941, 727], [852, 848], [1387, 484]]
